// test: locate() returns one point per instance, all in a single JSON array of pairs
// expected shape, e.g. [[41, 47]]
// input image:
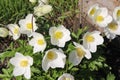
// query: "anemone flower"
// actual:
[[22, 65], [59, 35]]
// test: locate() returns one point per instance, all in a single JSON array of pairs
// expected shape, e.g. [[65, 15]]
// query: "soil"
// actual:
[[113, 56]]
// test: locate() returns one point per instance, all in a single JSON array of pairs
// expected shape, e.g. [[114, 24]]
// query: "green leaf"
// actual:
[[110, 76]]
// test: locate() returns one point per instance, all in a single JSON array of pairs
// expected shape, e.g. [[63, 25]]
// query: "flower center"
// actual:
[[99, 19], [51, 55], [29, 25], [113, 26], [58, 35], [15, 31], [118, 13], [80, 52], [89, 38], [67, 79], [40, 42], [24, 63], [92, 12]]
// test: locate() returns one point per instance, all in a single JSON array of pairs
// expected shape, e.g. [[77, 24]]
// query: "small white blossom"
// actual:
[[92, 11], [78, 54], [108, 34], [38, 42], [59, 35], [28, 25], [42, 10], [66, 76], [3, 32], [116, 14], [91, 40], [112, 30], [102, 18], [14, 31], [22, 65], [53, 58]]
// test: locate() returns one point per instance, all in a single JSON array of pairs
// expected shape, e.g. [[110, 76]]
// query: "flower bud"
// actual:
[[32, 1], [3, 32], [42, 10]]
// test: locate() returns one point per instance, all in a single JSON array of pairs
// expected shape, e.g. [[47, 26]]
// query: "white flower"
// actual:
[[102, 18], [78, 54], [92, 11], [91, 40], [59, 35], [43, 2], [108, 34], [116, 14], [38, 42], [32, 1], [53, 58], [112, 30], [66, 76], [28, 25], [14, 31], [22, 65], [3, 32], [42, 10]]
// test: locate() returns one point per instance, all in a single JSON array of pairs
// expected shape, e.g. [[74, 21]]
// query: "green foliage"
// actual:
[[13, 10], [110, 76]]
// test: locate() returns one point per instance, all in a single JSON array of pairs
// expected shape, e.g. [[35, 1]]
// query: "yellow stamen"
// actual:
[[92, 12], [58, 35], [51, 55], [80, 52], [89, 38], [29, 25], [118, 13], [113, 26], [15, 31], [40, 42], [99, 19], [24, 63]]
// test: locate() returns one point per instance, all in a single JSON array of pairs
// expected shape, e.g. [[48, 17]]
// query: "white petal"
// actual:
[[54, 41], [19, 54], [88, 54], [98, 39], [66, 75], [35, 34], [30, 59], [103, 24], [115, 13], [93, 47], [96, 6], [61, 44], [104, 12], [52, 30], [32, 42], [18, 71], [76, 44], [27, 73], [45, 64], [15, 61], [57, 63], [74, 59], [15, 37], [29, 17], [39, 48], [108, 19], [108, 34]]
